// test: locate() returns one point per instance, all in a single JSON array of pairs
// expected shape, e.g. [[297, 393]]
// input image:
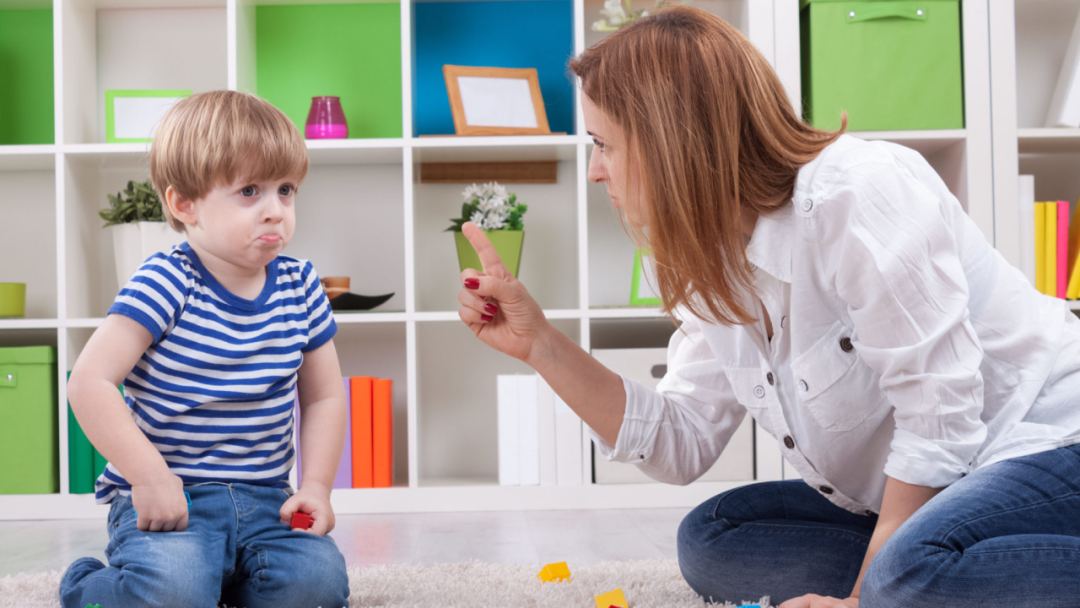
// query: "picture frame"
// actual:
[[495, 101], [132, 116], [644, 278]]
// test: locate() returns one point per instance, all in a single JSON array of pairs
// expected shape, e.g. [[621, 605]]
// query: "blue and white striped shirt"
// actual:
[[214, 393]]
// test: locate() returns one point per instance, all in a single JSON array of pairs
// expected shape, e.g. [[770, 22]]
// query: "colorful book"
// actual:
[[382, 432], [508, 416], [1040, 247], [85, 463], [1062, 249], [363, 470], [343, 479], [1050, 285], [1026, 191], [1072, 292]]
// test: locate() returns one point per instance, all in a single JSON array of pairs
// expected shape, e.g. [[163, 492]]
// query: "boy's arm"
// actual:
[[322, 433], [109, 356]]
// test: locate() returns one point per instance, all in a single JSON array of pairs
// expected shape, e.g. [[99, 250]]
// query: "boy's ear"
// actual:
[[180, 208]]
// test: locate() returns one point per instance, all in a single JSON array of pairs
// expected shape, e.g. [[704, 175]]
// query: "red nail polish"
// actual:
[[472, 283], [486, 317], [491, 308]]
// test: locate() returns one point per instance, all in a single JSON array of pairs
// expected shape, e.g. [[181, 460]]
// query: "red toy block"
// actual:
[[301, 520]]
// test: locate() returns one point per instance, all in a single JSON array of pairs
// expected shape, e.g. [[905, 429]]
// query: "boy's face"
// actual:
[[247, 224]]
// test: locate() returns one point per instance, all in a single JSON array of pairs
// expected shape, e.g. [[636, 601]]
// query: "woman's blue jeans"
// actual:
[[235, 550], [1006, 535]]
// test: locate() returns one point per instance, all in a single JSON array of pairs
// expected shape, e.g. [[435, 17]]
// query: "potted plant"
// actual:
[[138, 227], [498, 214]]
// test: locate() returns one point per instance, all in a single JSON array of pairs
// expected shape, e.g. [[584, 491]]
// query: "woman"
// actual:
[[835, 290]]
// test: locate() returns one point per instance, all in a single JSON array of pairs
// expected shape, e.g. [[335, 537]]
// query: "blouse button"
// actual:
[[789, 443], [803, 386], [845, 345], [783, 322], [769, 377], [807, 205], [826, 490], [759, 392]]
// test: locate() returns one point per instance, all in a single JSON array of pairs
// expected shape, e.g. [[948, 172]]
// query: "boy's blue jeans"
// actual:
[[1005, 535], [235, 550]]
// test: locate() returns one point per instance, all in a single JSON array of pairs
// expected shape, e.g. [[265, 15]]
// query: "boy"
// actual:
[[210, 341]]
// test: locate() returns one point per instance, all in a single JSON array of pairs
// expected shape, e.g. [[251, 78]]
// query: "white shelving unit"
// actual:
[[363, 213]]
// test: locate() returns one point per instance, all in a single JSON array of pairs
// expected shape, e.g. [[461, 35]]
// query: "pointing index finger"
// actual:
[[489, 258]]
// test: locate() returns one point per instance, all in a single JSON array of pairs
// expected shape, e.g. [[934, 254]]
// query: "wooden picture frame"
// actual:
[[136, 121], [498, 107]]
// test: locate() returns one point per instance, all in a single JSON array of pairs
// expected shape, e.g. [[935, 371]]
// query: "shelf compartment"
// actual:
[[457, 403], [461, 33], [1056, 177], [349, 50], [1043, 29], [26, 97], [28, 239], [1049, 141], [549, 267]]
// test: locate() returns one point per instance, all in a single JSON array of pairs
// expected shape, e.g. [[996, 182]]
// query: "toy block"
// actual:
[[612, 598], [553, 573], [301, 520], [93, 606]]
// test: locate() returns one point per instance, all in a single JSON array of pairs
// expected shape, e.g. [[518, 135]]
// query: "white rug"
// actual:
[[646, 584]]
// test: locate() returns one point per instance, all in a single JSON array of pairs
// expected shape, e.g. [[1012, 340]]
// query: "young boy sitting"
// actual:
[[210, 341]]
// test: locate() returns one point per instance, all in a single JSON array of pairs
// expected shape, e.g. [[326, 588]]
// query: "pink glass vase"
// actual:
[[326, 119]]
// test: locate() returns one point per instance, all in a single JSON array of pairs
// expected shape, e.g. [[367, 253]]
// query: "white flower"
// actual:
[[478, 218], [472, 192], [614, 12]]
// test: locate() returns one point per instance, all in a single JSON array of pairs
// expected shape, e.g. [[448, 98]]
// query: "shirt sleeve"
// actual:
[[321, 325], [155, 295], [894, 244], [675, 433]]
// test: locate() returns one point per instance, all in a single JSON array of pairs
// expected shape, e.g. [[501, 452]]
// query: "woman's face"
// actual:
[[609, 163]]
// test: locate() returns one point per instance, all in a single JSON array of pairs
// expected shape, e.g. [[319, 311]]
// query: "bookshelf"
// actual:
[[363, 212]]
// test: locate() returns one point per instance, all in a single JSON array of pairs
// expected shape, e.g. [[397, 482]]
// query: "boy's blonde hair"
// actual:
[[216, 138]]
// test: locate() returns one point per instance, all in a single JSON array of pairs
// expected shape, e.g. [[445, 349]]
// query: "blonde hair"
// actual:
[[216, 138], [711, 133]]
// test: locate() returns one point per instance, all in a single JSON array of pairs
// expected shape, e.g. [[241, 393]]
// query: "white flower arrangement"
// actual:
[[490, 207], [615, 17]]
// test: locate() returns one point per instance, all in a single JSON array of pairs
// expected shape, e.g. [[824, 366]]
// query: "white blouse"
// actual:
[[903, 345]]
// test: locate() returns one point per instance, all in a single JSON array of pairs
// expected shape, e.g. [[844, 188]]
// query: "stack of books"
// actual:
[[1050, 242], [85, 463], [367, 461], [539, 435]]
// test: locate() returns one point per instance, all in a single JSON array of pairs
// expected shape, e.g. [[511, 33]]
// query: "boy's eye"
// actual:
[[248, 191], [285, 190]]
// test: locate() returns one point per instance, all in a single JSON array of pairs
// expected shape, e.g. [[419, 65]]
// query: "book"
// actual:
[[1040, 247], [1050, 286], [546, 432], [343, 479], [85, 463], [1065, 104], [507, 414], [1062, 262], [568, 447], [363, 469], [382, 432], [1072, 292], [1026, 190], [528, 429]]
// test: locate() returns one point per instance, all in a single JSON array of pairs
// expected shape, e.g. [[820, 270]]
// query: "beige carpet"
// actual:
[[647, 584]]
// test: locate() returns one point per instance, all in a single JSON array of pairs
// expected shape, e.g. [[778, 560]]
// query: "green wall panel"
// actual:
[[26, 77], [352, 51]]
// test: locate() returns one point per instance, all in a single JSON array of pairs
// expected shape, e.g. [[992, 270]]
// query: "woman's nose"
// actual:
[[597, 173]]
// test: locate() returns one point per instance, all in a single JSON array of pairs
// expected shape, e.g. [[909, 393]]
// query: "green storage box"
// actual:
[[29, 450], [892, 65]]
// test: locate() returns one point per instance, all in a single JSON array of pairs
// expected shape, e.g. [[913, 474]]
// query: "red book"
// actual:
[[362, 469], [382, 432]]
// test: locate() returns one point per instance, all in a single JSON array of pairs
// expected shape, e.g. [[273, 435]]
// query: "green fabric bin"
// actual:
[[29, 443], [892, 65]]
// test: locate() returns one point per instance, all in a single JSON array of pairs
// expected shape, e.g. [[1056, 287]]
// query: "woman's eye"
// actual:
[[248, 191], [285, 190]]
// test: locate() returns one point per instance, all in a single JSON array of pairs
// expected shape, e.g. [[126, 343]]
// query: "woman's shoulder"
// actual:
[[849, 159]]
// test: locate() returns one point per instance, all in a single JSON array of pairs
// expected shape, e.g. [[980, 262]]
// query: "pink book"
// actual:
[[1062, 248], [344, 470]]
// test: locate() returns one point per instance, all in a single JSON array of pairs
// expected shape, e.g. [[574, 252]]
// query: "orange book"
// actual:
[[362, 468], [383, 432]]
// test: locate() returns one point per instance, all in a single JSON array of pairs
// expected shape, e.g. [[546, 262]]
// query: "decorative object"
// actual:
[[133, 116], [350, 302], [498, 214], [326, 119], [616, 18], [12, 300], [335, 286], [138, 227], [641, 286], [495, 101]]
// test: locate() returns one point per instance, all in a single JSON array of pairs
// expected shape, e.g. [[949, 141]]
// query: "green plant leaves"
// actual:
[[137, 203]]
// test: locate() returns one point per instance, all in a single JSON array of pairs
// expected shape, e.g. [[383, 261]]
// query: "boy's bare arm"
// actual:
[[108, 358]]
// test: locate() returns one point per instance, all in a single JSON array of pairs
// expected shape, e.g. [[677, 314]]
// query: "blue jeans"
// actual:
[[235, 550], [1005, 535]]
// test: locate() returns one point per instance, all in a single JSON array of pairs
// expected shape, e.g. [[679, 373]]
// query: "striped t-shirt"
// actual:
[[214, 393]]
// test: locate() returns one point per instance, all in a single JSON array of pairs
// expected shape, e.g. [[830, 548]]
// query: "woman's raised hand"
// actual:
[[496, 306]]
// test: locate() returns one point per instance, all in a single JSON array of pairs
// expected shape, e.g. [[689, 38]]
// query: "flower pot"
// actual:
[[134, 243], [506, 242], [12, 300]]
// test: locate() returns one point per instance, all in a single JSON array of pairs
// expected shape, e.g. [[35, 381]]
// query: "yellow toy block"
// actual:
[[612, 598], [553, 573]]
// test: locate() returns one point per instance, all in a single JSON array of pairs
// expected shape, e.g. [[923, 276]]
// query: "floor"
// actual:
[[514, 537]]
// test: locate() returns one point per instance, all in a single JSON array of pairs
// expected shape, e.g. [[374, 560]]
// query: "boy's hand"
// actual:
[[313, 499], [161, 505]]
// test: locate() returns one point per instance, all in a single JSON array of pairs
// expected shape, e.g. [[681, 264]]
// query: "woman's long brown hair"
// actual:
[[710, 132]]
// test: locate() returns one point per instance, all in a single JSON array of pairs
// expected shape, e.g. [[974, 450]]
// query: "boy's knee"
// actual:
[[319, 578]]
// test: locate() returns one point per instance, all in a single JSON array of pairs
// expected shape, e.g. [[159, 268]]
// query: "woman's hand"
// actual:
[[496, 306], [818, 601], [160, 505], [313, 499]]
